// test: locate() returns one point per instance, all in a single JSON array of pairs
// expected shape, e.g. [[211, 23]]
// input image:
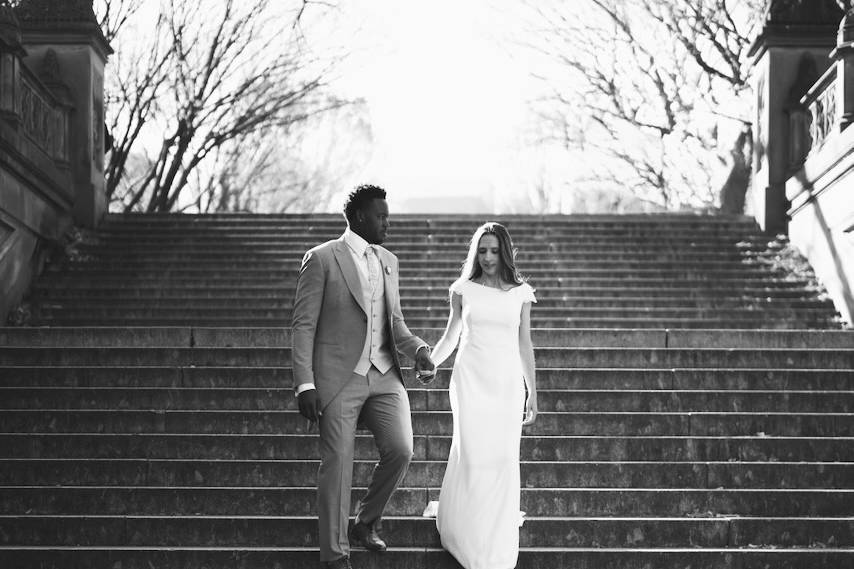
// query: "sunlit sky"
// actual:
[[447, 96], [447, 87], [447, 93]]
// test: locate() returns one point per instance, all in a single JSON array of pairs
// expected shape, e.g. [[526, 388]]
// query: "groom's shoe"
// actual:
[[340, 563], [365, 535]]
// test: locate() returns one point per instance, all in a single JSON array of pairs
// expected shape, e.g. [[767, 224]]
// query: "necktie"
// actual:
[[373, 267]]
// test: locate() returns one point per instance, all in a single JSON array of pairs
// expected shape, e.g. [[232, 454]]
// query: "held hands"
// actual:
[[530, 410], [425, 369], [309, 405]]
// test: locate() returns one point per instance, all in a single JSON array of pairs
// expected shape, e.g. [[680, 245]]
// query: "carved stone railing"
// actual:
[[821, 101], [42, 117]]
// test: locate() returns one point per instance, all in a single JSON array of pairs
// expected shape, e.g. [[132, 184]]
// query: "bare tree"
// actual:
[[295, 169], [114, 14], [209, 78], [647, 84]]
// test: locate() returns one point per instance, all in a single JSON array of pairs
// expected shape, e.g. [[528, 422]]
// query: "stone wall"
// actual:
[[804, 162], [52, 56], [822, 218]]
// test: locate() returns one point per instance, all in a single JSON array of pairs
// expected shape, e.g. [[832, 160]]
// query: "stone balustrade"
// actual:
[[43, 118], [821, 191], [821, 101]]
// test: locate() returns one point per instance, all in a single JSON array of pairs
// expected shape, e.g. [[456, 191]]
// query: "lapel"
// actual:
[[349, 271], [386, 273]]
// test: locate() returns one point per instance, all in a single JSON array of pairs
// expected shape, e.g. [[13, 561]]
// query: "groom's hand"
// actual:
[[309, 405], [424, 366]]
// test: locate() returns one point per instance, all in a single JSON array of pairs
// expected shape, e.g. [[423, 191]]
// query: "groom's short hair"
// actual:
[[360, 197]]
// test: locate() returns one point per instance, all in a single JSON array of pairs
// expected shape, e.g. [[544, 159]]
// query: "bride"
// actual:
[[491, 384]]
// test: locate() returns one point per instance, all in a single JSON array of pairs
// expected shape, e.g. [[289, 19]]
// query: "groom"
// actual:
[[347, 331]]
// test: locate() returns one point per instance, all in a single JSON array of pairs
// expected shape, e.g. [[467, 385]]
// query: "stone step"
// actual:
[[449, 270], [418, 251], [159, 299], [460, 228], [545, 356], [287, 280], [566, 378], [539, 474], [455, 244], [436, 226], [38, 399], [426, 257], [458, 237], [616, 270], [543, 337], [662, 297], [757, 321], [432, 447], [434, 219], [282, 309], [416, 305], [549, 423], [295, 531], [287, 501], [425, 558], [150, 288]]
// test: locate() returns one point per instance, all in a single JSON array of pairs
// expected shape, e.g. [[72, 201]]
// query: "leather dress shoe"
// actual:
[[365, 535], [340, 563]]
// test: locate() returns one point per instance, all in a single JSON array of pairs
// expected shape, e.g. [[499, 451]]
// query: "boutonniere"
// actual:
[[388, 270]]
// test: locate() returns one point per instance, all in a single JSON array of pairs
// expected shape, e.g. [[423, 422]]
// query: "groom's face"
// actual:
[[373, 221]]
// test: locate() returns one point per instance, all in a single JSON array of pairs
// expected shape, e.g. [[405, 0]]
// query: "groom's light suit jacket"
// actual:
[[330, 320]]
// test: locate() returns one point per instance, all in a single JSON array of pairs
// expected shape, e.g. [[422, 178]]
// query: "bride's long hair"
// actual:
[[509, 273]]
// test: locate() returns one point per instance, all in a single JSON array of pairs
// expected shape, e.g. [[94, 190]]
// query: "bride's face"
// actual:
[[489, 255]]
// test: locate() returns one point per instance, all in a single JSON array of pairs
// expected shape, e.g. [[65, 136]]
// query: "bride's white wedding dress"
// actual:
[[478, 517]]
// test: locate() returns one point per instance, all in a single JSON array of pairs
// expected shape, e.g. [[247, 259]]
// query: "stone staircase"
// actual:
[[697, 398]]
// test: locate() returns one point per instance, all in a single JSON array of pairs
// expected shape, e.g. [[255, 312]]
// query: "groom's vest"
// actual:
[[376, 350]]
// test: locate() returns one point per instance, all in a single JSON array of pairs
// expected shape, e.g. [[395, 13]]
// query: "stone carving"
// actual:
[[45, 123], [49, 71], [823, 114], [51, 76]]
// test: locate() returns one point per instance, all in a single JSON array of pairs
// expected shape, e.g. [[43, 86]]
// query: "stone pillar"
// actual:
[[844, 56], [792, 30], [11, 52], [63, 36]]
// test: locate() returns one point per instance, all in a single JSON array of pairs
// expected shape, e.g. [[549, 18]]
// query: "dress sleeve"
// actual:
[[458, 287], [526, 293]]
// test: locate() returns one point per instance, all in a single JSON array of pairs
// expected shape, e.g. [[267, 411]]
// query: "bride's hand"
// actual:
[[530, 410]]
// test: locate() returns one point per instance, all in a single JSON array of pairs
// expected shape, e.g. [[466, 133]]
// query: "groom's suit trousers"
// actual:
[[378, 402]]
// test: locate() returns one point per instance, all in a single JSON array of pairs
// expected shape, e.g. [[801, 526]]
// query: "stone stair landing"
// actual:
[[590, 271]]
